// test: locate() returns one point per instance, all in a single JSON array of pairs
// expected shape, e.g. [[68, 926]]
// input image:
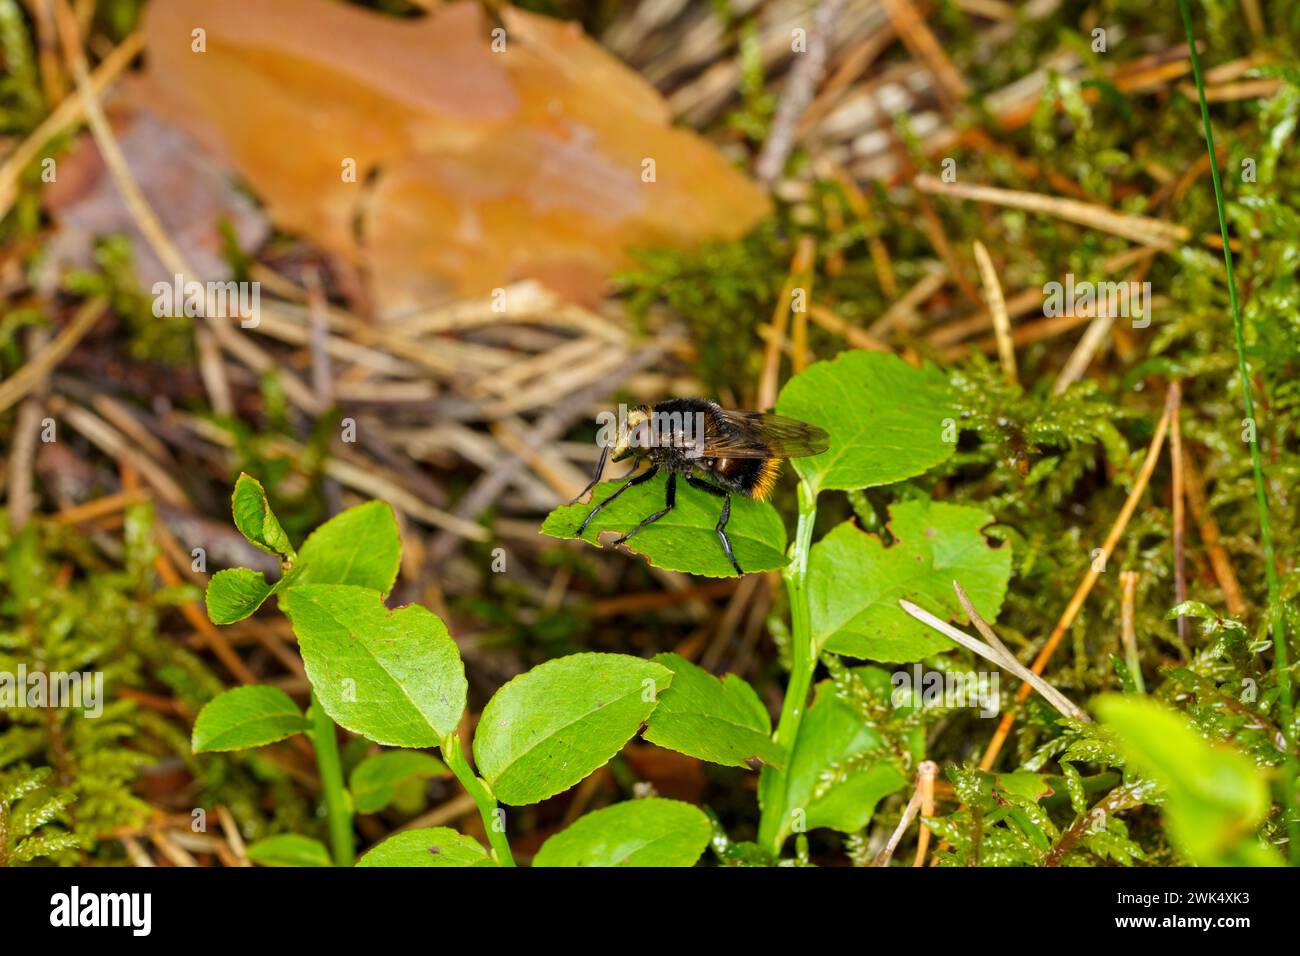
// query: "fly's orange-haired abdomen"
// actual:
[[752, 477], [765, 480]]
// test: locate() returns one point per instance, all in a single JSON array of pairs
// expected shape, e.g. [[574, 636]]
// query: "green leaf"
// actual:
[[361, 546], [289, 849], [684, 539], [235, 594], [432, 846], [838, 771], [255, 519], [246, 717], [548, 728], [43, 844], [1215, 797], [1024, 784], [395, 677], [375, 780], [886, 419], [650, 832], [855, 582], [721, 721]]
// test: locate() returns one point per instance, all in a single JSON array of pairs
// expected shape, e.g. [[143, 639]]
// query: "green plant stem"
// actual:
[[338, 807], [1277, 620], [774, 821], [483, 798]]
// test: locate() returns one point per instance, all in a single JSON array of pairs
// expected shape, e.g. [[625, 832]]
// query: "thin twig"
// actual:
[[924, 787]]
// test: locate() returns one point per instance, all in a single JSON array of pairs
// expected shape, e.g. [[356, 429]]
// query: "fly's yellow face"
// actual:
[[635, 436]]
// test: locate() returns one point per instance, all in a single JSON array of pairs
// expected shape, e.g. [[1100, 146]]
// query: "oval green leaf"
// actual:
[[255, 519], [721, 721], [547, 729], [855, 582], [234, 594], [684, 539], [289, 849], [887, 420], [433, 846], [246, 717], [394, 677], [650, 832], [375, 780], [1215, 796], [361, 546]]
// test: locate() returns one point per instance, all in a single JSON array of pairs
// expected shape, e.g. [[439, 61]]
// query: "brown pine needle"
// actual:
[[856, 337], [903, 311], [1143, 229], [1179, 517], [922, 43], [1210, 537], [88, 511], [16, 386], [800, 265], [997, 307], [1128, 631], [69, 111]]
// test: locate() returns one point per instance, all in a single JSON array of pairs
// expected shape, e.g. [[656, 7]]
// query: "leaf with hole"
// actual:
[[685, 539], [856, 581], [548, 728], [721, 721], [395, 677], [649, 832], [246, 717], [887, 420]]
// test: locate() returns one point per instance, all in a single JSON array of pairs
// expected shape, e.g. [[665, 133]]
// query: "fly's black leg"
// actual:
[[670, 502], [721, 526], [630, 483], [595, 479]]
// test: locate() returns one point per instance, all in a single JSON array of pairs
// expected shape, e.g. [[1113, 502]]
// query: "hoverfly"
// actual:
[[714, 449]]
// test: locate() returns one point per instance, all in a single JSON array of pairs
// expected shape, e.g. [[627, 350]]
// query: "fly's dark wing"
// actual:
[[760, 435]]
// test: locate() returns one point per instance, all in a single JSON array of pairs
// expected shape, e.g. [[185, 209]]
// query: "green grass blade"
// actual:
[[1277, 620]]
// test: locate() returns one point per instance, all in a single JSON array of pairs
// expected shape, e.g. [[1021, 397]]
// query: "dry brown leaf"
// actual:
[[474, 168]]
